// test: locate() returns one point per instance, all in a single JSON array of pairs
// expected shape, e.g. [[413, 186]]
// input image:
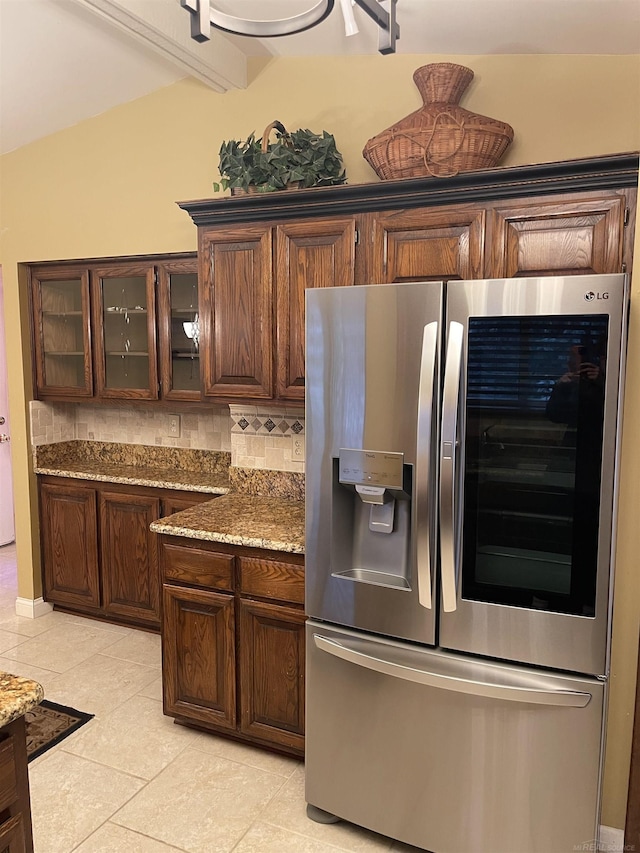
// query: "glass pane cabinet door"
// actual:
[[180, 330], [62, 339], [125, 313], [535, 417]]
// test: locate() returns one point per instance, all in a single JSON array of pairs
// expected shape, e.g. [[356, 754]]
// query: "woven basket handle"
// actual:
[[442, 161], [275, 125]]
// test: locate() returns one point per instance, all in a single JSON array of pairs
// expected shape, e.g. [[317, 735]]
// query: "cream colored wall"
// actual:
[[108, 187]]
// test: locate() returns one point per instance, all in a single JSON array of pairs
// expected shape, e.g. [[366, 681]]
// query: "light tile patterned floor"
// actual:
[[131, 780]]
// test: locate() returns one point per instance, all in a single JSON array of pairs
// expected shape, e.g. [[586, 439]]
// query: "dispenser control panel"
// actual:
[[371, 468]]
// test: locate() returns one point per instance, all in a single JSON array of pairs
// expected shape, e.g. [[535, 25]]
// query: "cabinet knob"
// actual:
[[4, 438], [1, 420]]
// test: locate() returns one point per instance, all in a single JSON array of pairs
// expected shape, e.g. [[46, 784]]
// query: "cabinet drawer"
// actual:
[[272, 579], [197, 566], [8, 781]]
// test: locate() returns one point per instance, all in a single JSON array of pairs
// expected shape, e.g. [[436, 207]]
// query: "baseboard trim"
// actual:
[[32, 607], [611, 840]]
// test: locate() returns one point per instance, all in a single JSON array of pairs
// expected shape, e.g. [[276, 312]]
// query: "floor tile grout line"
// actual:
[[97, 763], [244, 764], [314, 838]]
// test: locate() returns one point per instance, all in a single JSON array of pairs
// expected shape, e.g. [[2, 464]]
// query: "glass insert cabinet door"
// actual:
[[124, 306], [179, 330], [62, 339]]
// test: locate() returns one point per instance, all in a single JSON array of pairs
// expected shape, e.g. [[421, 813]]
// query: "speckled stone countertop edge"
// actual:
[[227, 538], [18, 695], [134, 481]]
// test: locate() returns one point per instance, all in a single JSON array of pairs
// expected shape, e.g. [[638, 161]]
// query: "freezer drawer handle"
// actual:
[[537, 696], [449, 498], [423, 509]]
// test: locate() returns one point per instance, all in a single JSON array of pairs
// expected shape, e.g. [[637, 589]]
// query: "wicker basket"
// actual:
[[440, 139], [253, 188]]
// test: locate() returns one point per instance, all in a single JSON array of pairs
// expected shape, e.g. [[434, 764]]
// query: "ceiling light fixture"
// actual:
[[204, 15]]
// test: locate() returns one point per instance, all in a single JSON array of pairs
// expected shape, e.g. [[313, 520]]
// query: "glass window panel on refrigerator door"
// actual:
[[533, 449]]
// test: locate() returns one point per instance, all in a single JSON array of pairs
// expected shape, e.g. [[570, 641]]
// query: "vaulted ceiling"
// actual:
[[62, 61]]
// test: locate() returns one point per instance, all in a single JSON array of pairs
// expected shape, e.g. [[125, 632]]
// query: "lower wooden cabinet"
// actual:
[[131, 586], [272, 672], [15, 802], [70, 545], [233, 641], [99, 556], [199, 656]]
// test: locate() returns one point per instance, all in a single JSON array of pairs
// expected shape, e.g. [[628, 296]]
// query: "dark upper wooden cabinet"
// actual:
[[124, 320], [70, 545], [252, 302], [62, 332], [258, 254], [309, 254], [573, 235], [131, 576], [236, 314], [117, 329], [436, 244], [179, 330]]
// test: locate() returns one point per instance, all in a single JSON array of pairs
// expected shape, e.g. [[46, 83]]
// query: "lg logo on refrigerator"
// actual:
[[590, 296]]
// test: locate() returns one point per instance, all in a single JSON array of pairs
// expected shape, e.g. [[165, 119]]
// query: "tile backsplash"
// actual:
[[271, 438], [51, 423], [256, 436]]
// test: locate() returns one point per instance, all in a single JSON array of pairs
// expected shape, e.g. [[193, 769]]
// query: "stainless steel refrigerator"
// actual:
[[461, 494]]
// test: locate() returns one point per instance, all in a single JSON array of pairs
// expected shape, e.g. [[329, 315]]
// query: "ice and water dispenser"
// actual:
[[371, 517]]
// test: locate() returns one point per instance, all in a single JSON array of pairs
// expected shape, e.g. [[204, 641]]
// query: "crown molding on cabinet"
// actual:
[[615, 170]]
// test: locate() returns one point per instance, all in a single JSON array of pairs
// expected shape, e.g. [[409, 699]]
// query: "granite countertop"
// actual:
[[133, 475], [258, 508], [17, 696], [239, 519], [136, 465]]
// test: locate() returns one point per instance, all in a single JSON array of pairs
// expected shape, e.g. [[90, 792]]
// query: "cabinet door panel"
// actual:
[[62, 332], [179, 330], [12, 836], [124, 316], [428, 245], [236, 312], [272, 673], [199, 660], [318, 253], [131, 576], [70, 545], [16, 835], [570, 237]]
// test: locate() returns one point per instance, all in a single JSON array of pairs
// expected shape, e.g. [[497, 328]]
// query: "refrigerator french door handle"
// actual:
[[488, 689], [424, 511], [449, 524]]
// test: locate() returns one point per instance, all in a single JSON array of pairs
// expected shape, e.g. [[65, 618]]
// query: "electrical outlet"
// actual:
[[298, 447], [173, 428]]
